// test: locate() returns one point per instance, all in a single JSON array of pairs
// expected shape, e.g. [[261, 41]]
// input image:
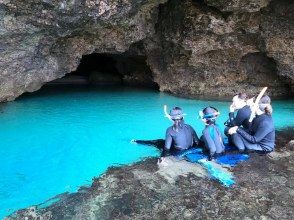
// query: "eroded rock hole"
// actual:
[[261, 70], [110, 69]]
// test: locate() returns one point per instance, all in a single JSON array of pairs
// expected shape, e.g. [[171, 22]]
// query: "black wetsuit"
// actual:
[[241, 119], [261, 136], [180, 138]]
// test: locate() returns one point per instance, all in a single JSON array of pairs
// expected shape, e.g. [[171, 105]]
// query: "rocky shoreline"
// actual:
[[264, 189]]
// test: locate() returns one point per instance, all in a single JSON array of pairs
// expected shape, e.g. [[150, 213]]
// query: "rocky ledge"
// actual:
[[144, 190]]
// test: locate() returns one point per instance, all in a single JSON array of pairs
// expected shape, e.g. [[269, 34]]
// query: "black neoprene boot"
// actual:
[[211, 157]]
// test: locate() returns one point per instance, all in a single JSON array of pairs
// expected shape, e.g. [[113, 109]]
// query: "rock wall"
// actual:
[[42, 40], [217, 48], [208, 48]]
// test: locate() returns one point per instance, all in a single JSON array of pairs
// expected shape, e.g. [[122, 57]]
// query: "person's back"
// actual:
[[262, 131], [211, 137], [179, 136]]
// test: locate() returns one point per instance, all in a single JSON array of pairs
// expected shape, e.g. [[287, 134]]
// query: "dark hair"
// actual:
[[211, 111], [266, 100], [268, 110], [242, 96], [177, 108]]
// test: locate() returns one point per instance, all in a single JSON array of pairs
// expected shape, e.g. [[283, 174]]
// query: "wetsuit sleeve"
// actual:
[[195, 138], [208, 140], [168, 143], [240, 117], [194, 135], [238, 120], [262, 130], [231, 119]]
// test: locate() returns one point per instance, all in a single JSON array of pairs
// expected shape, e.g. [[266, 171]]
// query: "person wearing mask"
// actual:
[[239, 105], [212, 136], [180, 136], [261, 134]]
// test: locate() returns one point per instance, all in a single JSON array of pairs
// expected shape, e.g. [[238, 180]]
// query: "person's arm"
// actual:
[[231, 119], [262, 130], [168, 143], [230, 122], [239, 119], [209, 143], [194, 136]]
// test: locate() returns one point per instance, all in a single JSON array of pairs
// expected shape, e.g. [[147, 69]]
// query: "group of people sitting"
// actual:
[[248, 129]]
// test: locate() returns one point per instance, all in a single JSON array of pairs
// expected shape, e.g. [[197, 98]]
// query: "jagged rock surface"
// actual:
[[193, 47], [222, 47], [42, 40]]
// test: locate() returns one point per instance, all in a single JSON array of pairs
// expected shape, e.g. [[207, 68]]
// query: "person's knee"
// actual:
[[241, 150], [212, 150], [238, 142], [219, 150], [240, 147]]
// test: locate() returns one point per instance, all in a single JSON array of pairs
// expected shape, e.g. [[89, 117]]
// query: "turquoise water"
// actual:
[[56, 140]]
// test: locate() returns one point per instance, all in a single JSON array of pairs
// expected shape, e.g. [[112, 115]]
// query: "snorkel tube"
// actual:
[[166, 113], [255, 104]]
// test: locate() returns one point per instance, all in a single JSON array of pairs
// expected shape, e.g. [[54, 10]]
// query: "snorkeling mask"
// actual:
[[209, 113]]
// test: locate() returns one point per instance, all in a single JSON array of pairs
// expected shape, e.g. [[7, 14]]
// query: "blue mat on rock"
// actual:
[[196, 155]]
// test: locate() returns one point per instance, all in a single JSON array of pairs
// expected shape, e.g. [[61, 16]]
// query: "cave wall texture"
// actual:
[[194, 48]]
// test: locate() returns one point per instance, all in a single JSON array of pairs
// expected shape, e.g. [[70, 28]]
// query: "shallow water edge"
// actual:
[[264, 189]]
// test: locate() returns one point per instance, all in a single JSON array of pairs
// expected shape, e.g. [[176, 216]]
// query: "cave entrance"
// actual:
[[99, 69]]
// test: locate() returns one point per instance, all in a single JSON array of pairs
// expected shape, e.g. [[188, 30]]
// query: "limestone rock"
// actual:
[[290, 145], [42, 40], [238, 5], [194, 48], [205, 52]]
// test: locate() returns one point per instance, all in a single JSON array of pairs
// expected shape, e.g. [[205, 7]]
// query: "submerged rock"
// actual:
[[144, 190], [193, 47]]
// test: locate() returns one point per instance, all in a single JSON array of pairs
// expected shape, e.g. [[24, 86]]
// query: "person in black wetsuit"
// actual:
[[211, 137], [243, 113], [261, 134], [179, 136]]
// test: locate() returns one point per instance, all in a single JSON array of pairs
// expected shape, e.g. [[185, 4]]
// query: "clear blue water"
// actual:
[[57, 140]]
